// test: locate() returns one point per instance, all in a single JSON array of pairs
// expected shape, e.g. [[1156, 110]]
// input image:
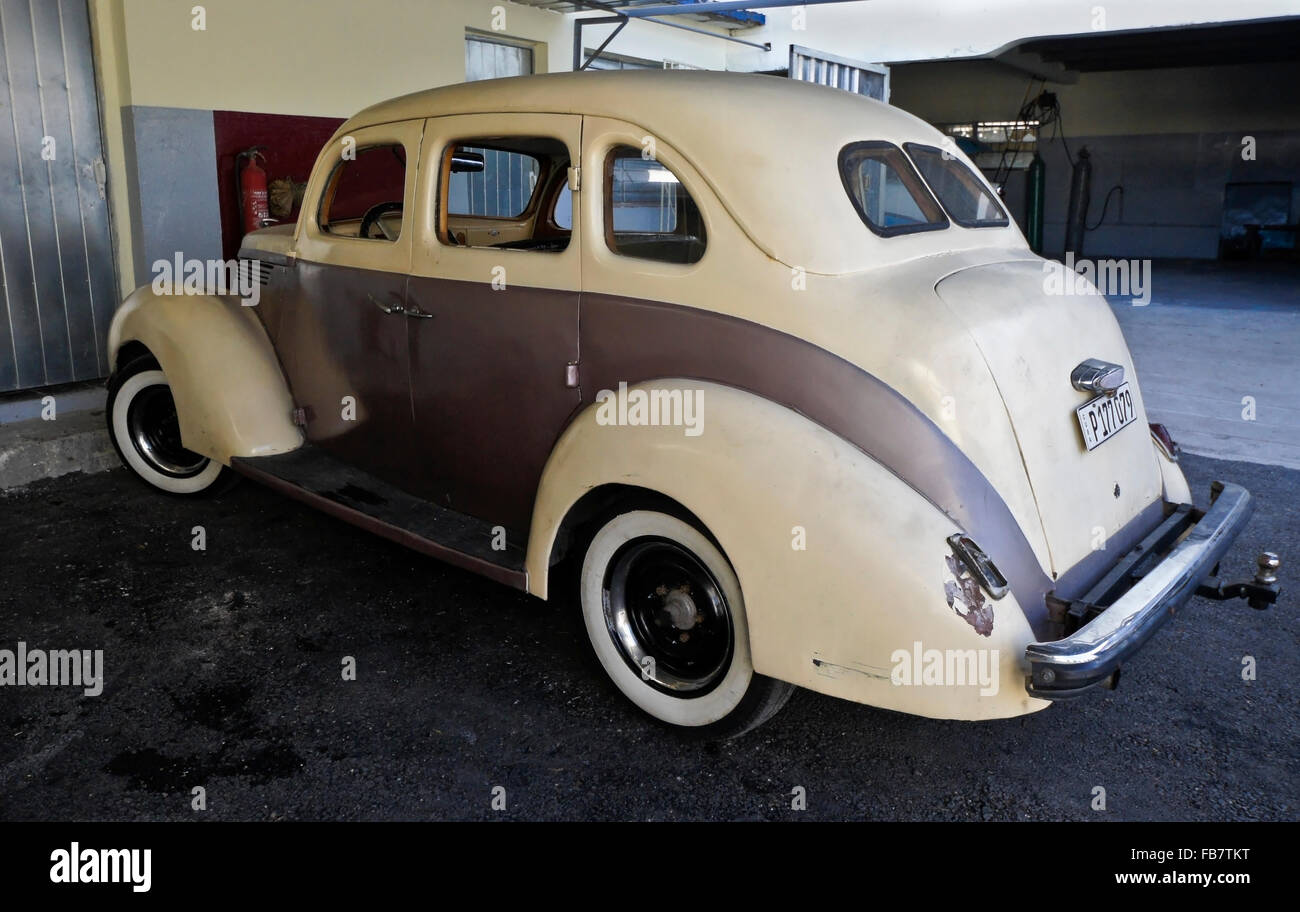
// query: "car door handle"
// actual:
[[386, 308], [419, 314]]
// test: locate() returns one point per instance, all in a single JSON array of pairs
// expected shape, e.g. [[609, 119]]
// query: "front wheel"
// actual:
[[664, 612], [143, 425]]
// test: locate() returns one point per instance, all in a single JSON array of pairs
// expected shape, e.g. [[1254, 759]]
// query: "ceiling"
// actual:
[[1259, 41]]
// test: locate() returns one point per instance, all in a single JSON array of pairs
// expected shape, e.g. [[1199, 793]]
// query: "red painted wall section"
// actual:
[[292, 144]]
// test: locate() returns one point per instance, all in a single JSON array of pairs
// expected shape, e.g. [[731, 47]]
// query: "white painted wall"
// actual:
[[334, 57]]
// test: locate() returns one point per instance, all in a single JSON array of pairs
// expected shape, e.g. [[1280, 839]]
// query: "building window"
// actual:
[[996, 145], [608, 61], [492, 58]]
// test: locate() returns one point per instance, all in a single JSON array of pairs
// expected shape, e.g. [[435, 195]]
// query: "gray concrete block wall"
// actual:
[[173, 194], [1172, 204]]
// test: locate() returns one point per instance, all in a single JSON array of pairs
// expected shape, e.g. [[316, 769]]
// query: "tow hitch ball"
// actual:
[[1259, 593]]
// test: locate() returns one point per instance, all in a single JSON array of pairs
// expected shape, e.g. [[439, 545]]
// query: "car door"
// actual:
[[342, 333], [495, 280]]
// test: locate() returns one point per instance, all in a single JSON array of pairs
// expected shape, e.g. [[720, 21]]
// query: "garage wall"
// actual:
[[331, 58], [162, 81], [1172, 138]]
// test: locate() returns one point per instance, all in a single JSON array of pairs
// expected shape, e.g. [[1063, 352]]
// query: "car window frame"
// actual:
[[964, 223], [910, 172], [330, 188], [607, 208], [543, 176]]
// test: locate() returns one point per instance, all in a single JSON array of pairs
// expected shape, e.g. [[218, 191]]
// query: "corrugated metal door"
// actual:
[[56, 258]]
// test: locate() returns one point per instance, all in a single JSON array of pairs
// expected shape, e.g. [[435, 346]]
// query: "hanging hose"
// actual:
[[1105, 205]]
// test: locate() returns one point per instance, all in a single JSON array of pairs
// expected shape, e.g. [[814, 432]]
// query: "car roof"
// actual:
[[766, 145]]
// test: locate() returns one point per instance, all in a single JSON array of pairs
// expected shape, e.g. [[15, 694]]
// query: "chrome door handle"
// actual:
[[419, 314], [393, 309]]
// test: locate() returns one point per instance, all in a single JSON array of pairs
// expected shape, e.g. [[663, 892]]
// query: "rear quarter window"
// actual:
[[886, 190], [965, 198]]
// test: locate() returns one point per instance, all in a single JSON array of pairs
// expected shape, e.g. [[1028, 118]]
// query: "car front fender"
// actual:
[[231, 396]]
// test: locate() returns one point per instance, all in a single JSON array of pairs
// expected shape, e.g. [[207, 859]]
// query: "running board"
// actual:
[[317, 478]]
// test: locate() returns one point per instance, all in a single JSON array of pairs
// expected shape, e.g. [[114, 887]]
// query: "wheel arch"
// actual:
[[231, 396], [609, 498]]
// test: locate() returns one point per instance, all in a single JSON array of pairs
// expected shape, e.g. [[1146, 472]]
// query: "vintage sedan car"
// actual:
[[766, 363]]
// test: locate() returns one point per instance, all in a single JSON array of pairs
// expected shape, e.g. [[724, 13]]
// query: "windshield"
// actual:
[[887, 191], [964, 196]]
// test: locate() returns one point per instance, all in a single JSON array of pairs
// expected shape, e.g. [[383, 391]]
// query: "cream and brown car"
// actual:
[[767, 364]]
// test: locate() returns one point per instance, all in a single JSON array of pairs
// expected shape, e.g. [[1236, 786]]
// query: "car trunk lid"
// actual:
[[1032, 327]]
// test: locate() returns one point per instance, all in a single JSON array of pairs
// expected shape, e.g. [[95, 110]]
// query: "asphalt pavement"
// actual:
[[223, 671]]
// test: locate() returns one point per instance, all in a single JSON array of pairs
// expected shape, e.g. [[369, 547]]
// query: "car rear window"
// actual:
[[968, 202], [886, 190]]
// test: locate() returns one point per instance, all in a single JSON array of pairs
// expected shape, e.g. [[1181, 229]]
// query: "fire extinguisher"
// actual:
[[250, 184]]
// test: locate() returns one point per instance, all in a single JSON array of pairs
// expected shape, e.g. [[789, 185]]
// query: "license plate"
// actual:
[[1103, 417]]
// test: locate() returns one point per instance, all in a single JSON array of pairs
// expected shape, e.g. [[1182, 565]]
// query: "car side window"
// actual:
[[493, 193], [501, 188], [886, 190], [562, 214], [365, 193], [648, 213]]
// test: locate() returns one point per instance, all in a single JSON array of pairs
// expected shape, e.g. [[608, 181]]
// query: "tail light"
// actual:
[[1160, 434], [979, 564]]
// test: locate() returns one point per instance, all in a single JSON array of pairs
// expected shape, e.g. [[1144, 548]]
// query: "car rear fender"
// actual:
[[844, 567]]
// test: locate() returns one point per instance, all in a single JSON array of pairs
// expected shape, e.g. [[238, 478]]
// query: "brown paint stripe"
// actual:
[[638, 341]]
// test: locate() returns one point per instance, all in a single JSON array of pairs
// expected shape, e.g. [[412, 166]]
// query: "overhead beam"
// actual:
[[620, 16], [695, 7]]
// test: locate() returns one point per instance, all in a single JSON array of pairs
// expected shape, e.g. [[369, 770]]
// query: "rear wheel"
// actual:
[[145, 430], [665, 616]]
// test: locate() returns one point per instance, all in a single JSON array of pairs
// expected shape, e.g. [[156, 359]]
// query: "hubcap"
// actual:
[[156, 433], [668, 617]]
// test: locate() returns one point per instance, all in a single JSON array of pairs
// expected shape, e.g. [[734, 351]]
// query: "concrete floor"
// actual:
[[1212, 335], [222, 670]]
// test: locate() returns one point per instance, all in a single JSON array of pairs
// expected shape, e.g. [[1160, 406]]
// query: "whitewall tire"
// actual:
[[143, 425], [665, 615]]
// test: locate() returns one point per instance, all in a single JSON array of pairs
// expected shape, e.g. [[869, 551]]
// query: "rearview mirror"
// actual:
[[465, 161]]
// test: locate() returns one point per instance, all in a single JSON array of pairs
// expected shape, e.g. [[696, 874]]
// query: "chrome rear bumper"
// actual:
[[1092, 655]]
